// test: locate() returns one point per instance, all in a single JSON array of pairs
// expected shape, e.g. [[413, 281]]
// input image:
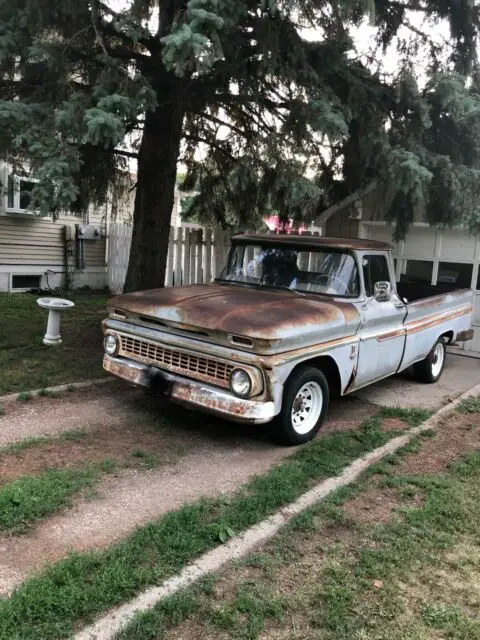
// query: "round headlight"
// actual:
[[240, 383], [111, 344]]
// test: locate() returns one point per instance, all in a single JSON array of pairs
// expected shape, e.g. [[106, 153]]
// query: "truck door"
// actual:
[[382, 332]]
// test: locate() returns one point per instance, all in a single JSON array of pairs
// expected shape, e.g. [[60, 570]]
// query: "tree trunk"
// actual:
[[155, 194]]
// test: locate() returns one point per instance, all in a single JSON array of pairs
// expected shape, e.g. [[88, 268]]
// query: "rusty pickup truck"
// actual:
[[290, 321]]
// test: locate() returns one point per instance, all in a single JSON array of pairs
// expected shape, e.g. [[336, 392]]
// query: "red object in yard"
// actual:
[[275, 224]]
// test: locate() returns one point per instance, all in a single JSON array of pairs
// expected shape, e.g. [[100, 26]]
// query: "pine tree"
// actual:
[[263, 118]]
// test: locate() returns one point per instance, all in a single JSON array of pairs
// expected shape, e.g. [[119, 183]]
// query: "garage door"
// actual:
[[432, 256]]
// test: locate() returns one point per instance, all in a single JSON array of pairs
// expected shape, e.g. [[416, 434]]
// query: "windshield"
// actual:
[[308, 270]]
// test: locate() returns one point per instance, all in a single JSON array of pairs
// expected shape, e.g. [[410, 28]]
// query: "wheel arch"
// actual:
[[448, 336], [328, 366]]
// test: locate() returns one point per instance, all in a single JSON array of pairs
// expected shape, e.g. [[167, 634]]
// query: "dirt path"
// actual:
[[199, 444], [78, 409]]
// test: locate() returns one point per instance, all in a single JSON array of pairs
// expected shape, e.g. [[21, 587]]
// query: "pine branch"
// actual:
[[96, 23], [127, 154], [209, 143], [152, 44], [222, 123], [410, 6]]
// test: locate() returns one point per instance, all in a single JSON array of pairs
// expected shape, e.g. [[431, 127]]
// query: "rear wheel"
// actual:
[[431, 369], [305, 403]]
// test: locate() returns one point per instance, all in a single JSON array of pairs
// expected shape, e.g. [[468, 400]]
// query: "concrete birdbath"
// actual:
[[54, 306]]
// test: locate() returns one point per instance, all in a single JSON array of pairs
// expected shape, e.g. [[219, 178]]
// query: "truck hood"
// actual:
[[273, 317]]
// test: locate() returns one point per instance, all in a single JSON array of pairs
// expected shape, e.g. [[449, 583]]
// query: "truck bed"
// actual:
[[431, 304], [414, 291]]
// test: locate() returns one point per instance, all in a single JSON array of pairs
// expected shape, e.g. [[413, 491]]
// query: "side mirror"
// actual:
[[383, 291]]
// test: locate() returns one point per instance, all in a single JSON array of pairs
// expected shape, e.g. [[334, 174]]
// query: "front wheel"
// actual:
[[305, 403], [431, 369]]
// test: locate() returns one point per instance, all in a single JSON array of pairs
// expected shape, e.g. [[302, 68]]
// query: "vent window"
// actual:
[[25, 282]]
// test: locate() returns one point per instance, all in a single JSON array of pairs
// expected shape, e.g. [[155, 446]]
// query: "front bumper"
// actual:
[[190, 393]]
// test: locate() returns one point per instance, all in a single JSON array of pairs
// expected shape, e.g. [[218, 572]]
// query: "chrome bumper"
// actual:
[[189, 393]]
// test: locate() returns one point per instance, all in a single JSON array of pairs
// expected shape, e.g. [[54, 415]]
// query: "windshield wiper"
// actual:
[[283, 287], [226, 281], [259, 285]]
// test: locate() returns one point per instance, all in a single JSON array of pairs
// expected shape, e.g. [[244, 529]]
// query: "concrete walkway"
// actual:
[[461, 373]]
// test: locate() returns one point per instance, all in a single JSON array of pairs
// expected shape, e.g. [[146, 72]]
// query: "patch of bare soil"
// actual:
[[455, 435], [347, 414], [70, 410], [393, 424], [127, 446], [373, 506], [195, 630]]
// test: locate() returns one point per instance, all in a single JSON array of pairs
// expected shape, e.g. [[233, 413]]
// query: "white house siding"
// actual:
[[30, 245]]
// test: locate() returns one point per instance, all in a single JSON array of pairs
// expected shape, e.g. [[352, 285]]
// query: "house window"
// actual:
[[25, 282], [19, 193], [418, 271], [455, 273]]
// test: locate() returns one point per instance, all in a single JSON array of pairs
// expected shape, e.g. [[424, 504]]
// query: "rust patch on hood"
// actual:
[[259, 314]]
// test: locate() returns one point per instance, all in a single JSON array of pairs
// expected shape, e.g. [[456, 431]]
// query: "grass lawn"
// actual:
[[395, 557], [69, 593], [25, 363]]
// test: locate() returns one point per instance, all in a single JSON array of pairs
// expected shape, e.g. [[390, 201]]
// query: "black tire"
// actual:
[[284, 430], [427, 370]]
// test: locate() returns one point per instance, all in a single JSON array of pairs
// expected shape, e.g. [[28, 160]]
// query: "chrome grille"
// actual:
[[187, 364]]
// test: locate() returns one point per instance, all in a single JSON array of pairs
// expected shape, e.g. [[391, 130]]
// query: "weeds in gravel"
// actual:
[[26, 443], [48, 393], [73, 435], [469, 405], [149, 460], [2, 410], [27, 499], [24, 396], [411, 416], [49, 605]]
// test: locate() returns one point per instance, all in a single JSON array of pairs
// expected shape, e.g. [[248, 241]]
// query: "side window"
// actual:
[[375, 269]]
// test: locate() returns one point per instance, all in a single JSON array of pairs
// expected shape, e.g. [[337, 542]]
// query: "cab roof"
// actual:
[[313, 241]]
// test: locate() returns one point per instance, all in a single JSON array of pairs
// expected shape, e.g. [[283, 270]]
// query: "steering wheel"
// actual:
[[266, 278], [334, 278]]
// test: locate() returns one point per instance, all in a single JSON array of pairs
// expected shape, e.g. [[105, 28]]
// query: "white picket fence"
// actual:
[[194, 255]]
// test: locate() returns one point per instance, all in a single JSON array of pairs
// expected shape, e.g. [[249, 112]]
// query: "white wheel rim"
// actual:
[[307, 408], [437, 359]]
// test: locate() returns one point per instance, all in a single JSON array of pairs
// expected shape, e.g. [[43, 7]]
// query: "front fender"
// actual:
[[344, 356]]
